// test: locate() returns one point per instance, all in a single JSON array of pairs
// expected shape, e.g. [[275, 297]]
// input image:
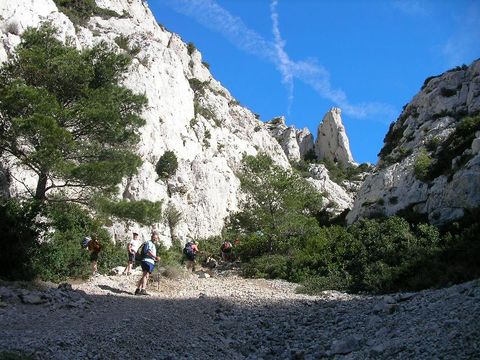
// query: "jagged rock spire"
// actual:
[[332, 141]]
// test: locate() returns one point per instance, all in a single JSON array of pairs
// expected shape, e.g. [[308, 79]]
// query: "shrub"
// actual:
[[433, 144], [80, 11], [340, 172], [18, 240], [167, 165], [191, 48], [268, 266], [197, 86], [310, 156], [446, 92], [396, 156], [142, 211], [393, 200], [209, 247], [422, 165], [455, 145], [392, 138], [122, 42], [61, 257], [207, 65]]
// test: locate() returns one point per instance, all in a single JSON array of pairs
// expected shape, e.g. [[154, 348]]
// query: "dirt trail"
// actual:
[[228, 317]]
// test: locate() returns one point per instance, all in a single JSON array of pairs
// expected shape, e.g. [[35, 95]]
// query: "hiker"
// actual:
[[226, 249], [149, 257], [94, 248], [190, 251], [132, 248]]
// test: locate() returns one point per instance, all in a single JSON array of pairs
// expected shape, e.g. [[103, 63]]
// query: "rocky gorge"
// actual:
[[189, 113], [194, 116], [426, 170], [225, 316]]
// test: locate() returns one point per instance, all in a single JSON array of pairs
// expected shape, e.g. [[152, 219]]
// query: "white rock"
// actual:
[[332, 141], [428, 116], [205, 189]]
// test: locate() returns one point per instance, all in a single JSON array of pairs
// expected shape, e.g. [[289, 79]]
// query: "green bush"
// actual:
[[80, 11], [198, 86], [141, 211], [268, 266], [19, 231], [392, 138], [191, 48], [167, 165], [341, 172], [209, 247], [422, 165], [61, 256], [455, 145]]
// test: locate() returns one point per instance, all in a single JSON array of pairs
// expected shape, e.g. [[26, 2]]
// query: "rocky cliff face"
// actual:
[[296, 143], [189, 113], [334, 146], [419, 143], [332, 141], [207, 129]]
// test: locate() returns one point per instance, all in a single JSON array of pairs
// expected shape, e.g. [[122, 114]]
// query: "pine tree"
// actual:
[[64, 116]]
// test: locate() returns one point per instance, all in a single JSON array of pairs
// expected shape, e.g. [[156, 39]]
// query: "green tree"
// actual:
[[64, 116], [167, 165], [279, 206]]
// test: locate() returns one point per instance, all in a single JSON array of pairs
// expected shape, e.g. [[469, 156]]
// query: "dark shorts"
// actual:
[[94, 256], [148, 267], [131, 257]]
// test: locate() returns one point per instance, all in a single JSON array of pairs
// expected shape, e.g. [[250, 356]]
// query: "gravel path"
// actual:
[[228, 317]]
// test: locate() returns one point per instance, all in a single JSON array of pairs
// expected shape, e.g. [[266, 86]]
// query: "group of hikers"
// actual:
[[146, 254]]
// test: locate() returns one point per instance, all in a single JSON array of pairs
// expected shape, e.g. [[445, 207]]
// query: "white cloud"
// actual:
[[211, 15], [284, 65]]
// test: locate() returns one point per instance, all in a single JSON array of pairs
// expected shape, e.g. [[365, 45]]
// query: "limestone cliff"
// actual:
[[332, 145], [332, 141], [207, 130], [294, 142], [420, 143]]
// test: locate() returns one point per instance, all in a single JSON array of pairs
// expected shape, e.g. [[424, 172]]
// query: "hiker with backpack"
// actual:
[[227, 251], [132, 248], [149, 257], [94, 249], [190, 251]]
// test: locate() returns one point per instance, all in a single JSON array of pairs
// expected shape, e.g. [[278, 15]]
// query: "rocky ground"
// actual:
[[227, 317]]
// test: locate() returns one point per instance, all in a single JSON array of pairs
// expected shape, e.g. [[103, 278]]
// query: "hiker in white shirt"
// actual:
[[149, 257], [132, 248]]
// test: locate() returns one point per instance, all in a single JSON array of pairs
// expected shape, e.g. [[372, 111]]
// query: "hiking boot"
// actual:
[[143, 292], [137, 291]]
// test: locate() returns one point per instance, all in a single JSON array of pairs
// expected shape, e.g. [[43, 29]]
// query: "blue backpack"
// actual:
[[84, 242], [188, 251]]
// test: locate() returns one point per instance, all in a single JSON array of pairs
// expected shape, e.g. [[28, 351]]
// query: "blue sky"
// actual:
[[299, 58]]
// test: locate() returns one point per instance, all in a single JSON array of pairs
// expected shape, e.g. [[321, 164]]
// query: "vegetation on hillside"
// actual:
[[80, 11], [65, 118], [373, 255]]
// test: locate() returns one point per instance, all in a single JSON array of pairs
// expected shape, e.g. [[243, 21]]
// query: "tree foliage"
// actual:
[[279, 207], [64, 116], [167, 165]]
